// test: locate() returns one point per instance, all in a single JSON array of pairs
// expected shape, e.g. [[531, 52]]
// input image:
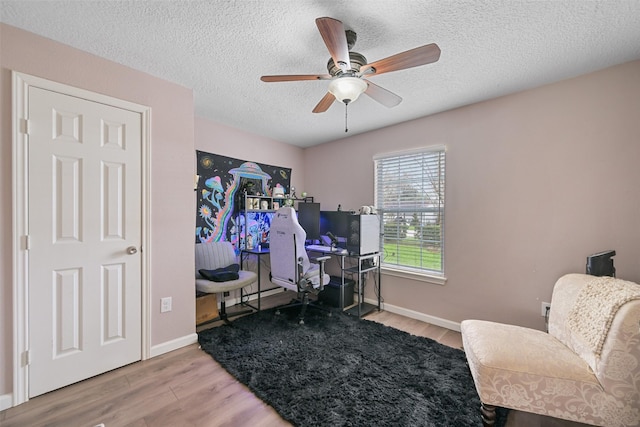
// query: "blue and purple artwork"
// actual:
[[222, 181]]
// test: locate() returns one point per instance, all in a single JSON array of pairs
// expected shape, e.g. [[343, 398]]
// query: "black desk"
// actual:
[[366, 263], [258, 253], [361, 308], [341, 254]]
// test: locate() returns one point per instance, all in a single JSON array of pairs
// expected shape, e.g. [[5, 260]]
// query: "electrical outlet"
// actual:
[[544, 308], [165, 304]]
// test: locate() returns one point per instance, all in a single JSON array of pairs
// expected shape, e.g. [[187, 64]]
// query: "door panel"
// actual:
[[84, 212]]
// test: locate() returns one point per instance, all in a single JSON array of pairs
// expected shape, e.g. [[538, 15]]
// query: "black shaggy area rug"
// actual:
[[342, 371]]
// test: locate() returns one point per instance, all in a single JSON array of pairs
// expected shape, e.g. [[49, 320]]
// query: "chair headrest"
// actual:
[[286, 212]]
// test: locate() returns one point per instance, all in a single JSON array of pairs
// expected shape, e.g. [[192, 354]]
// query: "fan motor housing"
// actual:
[[357, 60]]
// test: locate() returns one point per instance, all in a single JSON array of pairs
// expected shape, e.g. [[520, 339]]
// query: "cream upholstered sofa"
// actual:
[[586, 369]]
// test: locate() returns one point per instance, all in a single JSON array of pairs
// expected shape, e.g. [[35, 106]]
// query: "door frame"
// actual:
[[20, 209]]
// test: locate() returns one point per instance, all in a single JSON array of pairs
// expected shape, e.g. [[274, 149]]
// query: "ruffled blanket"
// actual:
[[596, 306]]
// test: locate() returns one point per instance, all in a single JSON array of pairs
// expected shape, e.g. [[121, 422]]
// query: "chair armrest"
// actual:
[[321, 260]]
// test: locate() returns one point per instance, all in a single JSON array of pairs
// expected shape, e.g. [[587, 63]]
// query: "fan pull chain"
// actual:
[[346, 108]]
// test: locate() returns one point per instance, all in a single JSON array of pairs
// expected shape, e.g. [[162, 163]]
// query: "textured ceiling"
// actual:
[[220, 48]]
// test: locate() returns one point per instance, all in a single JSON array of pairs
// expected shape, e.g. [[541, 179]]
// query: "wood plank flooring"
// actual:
[[186, 387]]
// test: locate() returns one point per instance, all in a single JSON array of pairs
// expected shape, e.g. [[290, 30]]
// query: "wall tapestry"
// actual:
[[222, 181]]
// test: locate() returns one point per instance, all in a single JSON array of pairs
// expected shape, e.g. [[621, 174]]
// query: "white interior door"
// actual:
[[84, 220]]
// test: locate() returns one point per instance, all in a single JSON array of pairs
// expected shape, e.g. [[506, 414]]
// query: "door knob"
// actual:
[[132, 250]]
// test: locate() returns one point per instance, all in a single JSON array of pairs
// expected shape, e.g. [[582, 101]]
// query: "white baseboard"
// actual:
[[6, 401], [174, 344], [454, 326]]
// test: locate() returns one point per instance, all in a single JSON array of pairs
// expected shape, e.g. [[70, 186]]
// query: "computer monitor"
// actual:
[[336, 223], [601, 264], [257, 226], [309, 219]]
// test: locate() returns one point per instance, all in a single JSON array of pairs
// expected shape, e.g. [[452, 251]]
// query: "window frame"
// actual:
[[384, 163]]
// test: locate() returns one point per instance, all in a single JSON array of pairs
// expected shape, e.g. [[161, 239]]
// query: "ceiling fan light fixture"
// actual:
[[347, 89]]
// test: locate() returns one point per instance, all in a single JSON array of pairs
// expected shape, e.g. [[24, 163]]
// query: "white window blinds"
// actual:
[[409, 196]]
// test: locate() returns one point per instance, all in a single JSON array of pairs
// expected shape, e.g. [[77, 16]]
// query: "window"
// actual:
[[409, 196]]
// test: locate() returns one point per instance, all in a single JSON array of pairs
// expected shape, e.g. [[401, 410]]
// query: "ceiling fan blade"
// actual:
[[324, 103], [411, 58], [382, 95], [333, 34], [295, 77]]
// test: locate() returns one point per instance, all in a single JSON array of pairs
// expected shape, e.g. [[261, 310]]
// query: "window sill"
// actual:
[[422, 277]]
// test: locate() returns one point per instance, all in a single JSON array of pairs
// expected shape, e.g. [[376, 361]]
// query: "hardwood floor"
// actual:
[[186, 387]]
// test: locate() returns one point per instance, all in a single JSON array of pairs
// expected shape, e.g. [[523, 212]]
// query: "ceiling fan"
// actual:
[[347, 70]]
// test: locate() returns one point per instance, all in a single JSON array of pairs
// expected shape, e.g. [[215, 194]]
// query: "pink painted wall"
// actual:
[[535, 182], [226, 141], [172, 170]]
